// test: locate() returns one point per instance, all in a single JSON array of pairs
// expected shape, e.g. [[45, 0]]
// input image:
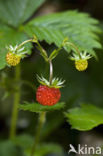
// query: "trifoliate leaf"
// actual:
[[85, 118], [36, 107], [56, 82]]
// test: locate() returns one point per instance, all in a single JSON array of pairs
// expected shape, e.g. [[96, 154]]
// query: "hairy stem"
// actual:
[[41, 121], [16, 103]]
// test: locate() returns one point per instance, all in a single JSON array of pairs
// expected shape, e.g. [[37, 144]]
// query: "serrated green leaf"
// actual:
[[44, 149], [85, 118], [49, 34], [36, 107], [80, 28], [10, 36], [15, 12]]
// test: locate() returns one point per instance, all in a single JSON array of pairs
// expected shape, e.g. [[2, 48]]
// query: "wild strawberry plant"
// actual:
[[72, 32]]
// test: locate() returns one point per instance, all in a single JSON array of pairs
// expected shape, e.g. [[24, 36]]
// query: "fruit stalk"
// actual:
[[20, 45], [42, 117], [51, 72], [16, 103], [77, 50]]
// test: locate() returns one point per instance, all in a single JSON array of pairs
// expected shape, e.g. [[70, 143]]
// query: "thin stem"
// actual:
[[51, 72], [39, 47], [16, 103], [42, 117], [77, 50], [41, 122], [20, 45]]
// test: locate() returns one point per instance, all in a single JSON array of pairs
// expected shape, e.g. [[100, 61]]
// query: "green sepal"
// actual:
[[56, 82], [83, 56], [18, 51]]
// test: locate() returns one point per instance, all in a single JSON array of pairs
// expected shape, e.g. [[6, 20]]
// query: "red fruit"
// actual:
[[47, 96]]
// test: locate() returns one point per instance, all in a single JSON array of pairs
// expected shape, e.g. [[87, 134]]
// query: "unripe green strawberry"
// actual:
[[47, 96], [81, 64], [12, 59]]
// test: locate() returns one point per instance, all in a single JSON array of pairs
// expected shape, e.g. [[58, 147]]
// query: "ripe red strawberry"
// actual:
[[47, 96]]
